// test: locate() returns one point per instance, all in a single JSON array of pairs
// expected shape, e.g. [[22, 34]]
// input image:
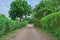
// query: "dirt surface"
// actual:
[[30, 33]]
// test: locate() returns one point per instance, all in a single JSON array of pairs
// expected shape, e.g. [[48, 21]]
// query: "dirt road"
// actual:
[[31, 33]]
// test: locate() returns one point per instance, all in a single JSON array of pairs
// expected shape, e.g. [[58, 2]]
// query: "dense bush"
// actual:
[[30, 20], [51, 24], [36, 23], [7, 25]]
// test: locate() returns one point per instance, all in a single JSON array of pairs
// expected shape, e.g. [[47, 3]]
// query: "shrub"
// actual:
[[51, 23], [36, 23], [30, 20], [8, 25]]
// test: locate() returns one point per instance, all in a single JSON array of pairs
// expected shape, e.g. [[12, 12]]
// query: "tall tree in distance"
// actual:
[[46, 7], [19, 8]]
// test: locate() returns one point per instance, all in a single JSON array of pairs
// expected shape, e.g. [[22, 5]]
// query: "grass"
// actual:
[[46, 33], [10, 34], [51, 24]]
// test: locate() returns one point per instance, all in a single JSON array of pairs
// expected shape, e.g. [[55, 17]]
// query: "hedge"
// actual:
[[8, 25], [51, 24]]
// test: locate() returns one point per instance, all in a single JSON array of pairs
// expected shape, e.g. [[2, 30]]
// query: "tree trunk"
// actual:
[[21, 18]]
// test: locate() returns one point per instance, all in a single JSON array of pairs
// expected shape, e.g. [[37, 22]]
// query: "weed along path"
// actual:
[[30, 33]]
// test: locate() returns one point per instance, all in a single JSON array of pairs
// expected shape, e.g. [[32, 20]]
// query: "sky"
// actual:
[[5, 5]]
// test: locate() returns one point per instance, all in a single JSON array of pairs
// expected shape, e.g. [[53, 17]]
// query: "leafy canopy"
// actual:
[[19, 8], [47, 7]]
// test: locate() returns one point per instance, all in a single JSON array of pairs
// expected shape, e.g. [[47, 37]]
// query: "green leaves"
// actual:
[[19, 8], [8, 25], [47, 7], [51, 24]]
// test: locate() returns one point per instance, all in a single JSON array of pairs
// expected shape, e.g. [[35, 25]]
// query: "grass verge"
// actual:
[[10, 34], [46, 33]]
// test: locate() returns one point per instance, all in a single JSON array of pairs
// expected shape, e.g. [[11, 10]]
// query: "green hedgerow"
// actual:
[[51, 23], [8, 25]]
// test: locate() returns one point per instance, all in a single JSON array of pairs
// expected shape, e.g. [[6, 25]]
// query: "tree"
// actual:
[[19, 8], [46, 7]]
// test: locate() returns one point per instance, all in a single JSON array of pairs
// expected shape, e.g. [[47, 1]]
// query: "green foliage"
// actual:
[[48, 16], [46, 7], [8, 25], [51, 24], [30, 20], [19, 8], [36, 23]]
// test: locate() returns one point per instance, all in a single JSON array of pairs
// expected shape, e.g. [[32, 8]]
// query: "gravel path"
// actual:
[[31, 33]]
